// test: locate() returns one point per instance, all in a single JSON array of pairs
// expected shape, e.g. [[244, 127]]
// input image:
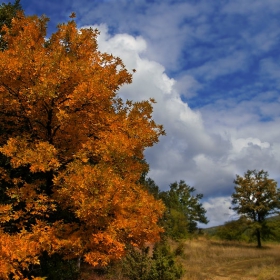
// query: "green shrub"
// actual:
[[164, 266], [161, 265]]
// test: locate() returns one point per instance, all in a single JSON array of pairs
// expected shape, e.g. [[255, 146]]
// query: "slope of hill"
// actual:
[[213, 230]]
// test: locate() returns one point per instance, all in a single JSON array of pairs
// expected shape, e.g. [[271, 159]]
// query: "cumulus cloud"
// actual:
[[164, 24], [186, 135], [226, 132], [205, 147]]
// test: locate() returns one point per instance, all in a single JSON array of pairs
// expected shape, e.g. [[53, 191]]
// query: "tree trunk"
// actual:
[[258, 233], [79, 263]]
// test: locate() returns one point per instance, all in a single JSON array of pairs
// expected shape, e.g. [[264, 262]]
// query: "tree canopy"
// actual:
[[256, 197], [71, 151], [183, 208]]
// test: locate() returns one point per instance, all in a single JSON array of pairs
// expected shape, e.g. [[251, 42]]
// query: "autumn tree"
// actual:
[[183, 210], [256, 197], [71, 151]]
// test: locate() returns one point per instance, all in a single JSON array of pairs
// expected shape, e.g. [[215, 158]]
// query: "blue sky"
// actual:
[[213, 67]]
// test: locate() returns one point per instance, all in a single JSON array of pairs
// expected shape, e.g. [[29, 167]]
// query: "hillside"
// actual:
[[212, 230]]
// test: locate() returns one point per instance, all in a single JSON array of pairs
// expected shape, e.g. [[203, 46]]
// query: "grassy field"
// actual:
[[210, 259]]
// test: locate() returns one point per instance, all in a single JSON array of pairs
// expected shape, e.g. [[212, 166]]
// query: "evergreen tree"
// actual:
[[184, 210]]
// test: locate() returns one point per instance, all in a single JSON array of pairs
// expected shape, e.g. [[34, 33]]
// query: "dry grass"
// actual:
[[210, 259], [205, 259]]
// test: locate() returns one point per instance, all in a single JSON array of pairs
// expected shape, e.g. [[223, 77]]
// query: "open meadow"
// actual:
[[206, 259], [210, 259]]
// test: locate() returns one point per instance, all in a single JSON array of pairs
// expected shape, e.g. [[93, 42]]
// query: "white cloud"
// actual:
[[204, 147], [218, 210], [233, 62], [186, 135], [270, 69], [254, 143], [187, 86], [164, 24], [263, 40], [242, 143], [251, 7]]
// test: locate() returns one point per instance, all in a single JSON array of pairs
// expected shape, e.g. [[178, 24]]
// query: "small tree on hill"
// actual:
[[256, 197]]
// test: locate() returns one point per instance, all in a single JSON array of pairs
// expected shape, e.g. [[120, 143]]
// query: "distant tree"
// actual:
[[183, 209], [7, 13], [256, 197]]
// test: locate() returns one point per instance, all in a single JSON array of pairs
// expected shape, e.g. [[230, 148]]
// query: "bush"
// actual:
[[161, 265], [164, 266], [180, 250], [238, 230]]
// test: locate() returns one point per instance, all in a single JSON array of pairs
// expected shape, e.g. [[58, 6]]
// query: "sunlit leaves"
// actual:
[[17, 253], [40, 156]]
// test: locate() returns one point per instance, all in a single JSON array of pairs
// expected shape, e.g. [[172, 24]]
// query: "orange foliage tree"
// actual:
[[71, 151]]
